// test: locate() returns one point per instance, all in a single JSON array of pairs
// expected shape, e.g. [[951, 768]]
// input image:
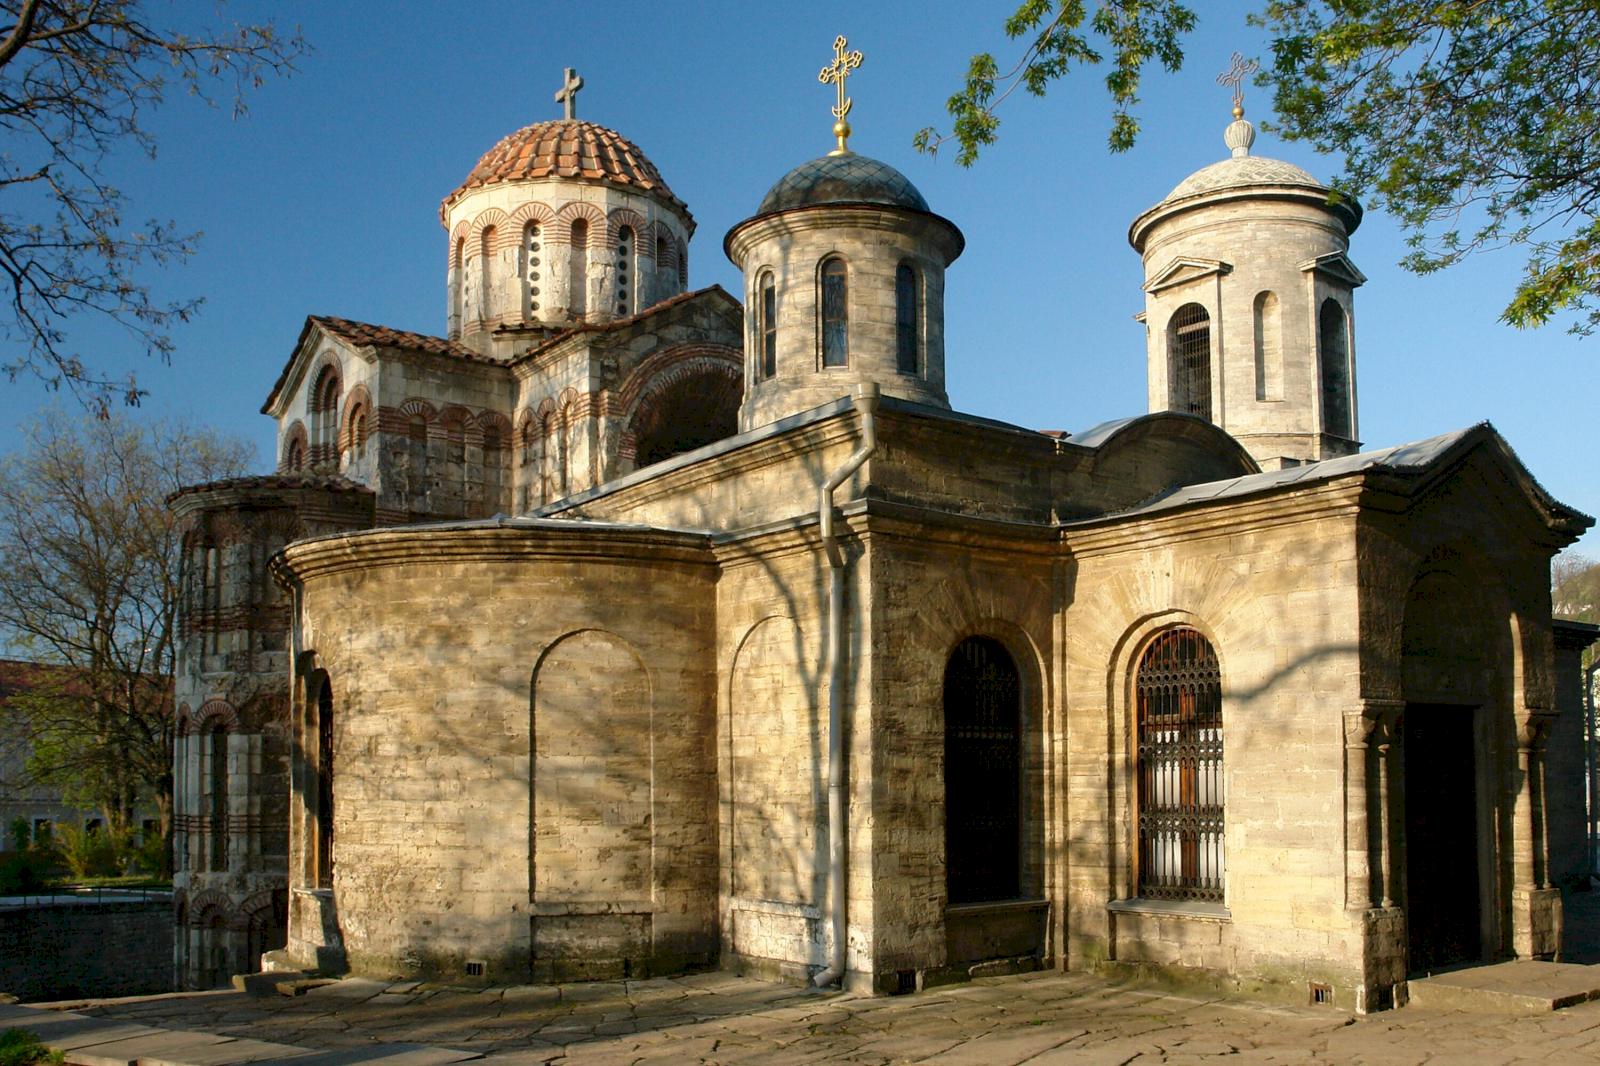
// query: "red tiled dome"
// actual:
[[567, 149]]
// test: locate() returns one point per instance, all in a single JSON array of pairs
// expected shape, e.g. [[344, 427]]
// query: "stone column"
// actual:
[[1358, 728], [1370, 762], [1536, 907]]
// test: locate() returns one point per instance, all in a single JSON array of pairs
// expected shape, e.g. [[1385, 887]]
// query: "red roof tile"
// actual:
[[563, 149]]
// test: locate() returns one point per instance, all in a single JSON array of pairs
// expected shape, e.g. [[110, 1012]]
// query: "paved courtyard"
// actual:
[[1039, 1019]]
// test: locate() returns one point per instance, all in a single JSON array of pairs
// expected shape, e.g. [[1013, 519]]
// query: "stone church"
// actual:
[[624, 629]]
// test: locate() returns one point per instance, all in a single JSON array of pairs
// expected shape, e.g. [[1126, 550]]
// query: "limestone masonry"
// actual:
[[625, 629]]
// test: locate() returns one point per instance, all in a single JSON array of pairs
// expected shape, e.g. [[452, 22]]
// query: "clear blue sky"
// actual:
[[325, 201]]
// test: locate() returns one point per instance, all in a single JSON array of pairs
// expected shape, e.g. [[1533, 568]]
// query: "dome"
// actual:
[[1240, 171], [567, 148], [842, 179]]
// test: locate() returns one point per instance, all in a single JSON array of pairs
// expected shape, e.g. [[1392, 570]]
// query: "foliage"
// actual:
[[1477, 124], [89, 558], [1136, 31], [21, 833], [97, 853], [19, 1047], [26, 871], [78, 79]]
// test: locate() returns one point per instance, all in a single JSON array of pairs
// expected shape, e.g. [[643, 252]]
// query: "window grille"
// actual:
[[769, 327], [1189, 337], [1335, 370], [907, 353], [1179, 692], [624, 270], [835, 315], [530, 271]]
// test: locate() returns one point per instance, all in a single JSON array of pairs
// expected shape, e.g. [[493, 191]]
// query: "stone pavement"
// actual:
[[716, 1018]]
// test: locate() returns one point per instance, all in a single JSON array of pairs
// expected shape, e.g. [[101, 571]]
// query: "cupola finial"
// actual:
[[844, 61], [1240, 135]]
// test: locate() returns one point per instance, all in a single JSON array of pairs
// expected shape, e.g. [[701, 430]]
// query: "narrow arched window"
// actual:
[[325, 417], [982, 772], [1179, 769], [324, 772], [578, 270], [625, 272], [297, 456], [907, 350], [493, 471], [835, 314], [216, 781], [1189, 361], [768, 326], [358, 432], [528, 268], [1334, 350], [1269, 348], [486, 250]]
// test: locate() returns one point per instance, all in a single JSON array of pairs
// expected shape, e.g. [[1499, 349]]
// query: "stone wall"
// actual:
[[67, 950]]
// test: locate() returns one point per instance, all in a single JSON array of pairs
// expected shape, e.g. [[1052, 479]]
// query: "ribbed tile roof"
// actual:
[[567, 149]]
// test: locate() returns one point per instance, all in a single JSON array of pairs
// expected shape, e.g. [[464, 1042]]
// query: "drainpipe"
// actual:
[[865, 400]]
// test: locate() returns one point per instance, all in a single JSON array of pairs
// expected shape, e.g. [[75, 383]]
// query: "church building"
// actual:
[[624, 629]]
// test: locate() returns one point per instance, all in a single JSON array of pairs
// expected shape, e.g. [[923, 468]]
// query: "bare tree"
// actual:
[[77, 80], [89, 557], [1566, 566]]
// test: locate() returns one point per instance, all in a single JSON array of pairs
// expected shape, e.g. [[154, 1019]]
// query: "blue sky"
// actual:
[[325, 201]]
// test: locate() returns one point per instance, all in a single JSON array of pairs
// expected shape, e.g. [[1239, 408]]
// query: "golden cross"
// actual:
[[569, 93], [844, 61], [1237, 71]]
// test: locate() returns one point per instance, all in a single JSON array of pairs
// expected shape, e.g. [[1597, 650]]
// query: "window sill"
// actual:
[[999, 906], [1172, 908]]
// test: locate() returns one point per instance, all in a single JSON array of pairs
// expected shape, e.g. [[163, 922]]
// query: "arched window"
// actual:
[[528, 268], [625, 272], [663, 252], [216, 783], [835, 314], [1179, 694], [325, 417], [1334, 349], [1189, 361], [982, 773], [767, 326], [358, 432], [417, 463], [324, 771], [578, 270], [486, 250], [296, 461], [907, 350], [493, 471], [1269, 348], [213, 599], [683, 268]]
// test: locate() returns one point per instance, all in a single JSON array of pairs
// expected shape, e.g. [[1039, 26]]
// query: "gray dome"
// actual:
[[842, 179], [1242, 171]]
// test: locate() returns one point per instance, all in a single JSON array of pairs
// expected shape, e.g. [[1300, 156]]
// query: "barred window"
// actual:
[[769, 326], [1179, 690], [1189, 351]]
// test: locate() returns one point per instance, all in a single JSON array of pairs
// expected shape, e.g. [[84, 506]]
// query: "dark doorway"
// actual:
[[982, 773], [1441, 827]]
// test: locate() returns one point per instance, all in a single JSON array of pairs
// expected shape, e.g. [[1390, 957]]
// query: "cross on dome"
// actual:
[[1240, 135], [844, 61], [568, 93]]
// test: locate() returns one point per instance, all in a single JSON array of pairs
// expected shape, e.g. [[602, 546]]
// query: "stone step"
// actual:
[[1522, 987]]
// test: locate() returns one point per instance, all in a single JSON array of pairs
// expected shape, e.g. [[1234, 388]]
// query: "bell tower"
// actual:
[[1249, 301]]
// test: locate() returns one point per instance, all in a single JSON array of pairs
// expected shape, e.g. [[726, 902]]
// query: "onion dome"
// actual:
[[567, 148], [842, 179]]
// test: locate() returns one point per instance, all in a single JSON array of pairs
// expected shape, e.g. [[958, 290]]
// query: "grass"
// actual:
[[18, 1047], [136, 881]]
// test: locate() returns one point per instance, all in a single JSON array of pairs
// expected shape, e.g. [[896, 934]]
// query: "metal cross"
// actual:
[[569, 93], [1237, 71], [844, 61]]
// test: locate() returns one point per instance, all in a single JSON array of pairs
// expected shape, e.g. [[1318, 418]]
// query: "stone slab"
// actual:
[[386, 1054], [13, 1015], [69, 1034], [227, 1054], [1523, 987], [161, 1046]]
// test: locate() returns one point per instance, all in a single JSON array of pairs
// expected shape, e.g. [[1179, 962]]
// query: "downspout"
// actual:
[[865, 399]]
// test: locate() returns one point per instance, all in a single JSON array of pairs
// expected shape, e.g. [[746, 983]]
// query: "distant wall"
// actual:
[[65, 950]]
